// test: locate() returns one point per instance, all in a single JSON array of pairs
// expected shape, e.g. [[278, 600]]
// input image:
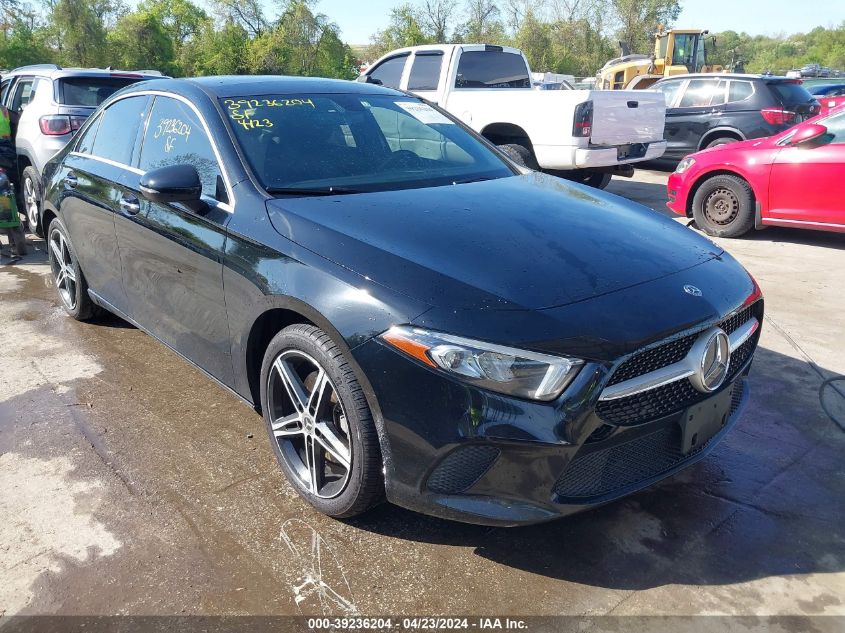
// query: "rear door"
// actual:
[[172, 256], [91, 176], [806, 182], [22, 92]]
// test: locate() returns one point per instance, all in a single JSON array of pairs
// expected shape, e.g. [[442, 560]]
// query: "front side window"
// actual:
[[703, 92], [492, 69], [176, 136], [669, 90], [425, 72], [389, 72], [350, 143], [118, 129]]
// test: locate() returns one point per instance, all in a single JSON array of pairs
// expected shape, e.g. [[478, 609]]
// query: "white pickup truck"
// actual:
[[583, 135]]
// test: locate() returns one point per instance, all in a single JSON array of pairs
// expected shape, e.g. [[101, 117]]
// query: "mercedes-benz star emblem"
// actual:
[[713, 348], [692, 290]]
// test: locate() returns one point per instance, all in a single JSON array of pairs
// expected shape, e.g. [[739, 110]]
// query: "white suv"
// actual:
[[46, 105]]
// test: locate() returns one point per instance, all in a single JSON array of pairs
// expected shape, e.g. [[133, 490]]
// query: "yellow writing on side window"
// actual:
[[242, 111]]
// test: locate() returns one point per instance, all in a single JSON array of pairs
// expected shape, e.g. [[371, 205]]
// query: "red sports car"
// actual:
[[795, 178]]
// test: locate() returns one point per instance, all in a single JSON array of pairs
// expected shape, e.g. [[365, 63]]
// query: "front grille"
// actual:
[[462, 468], [602, 472], [676, 396], [653, 359]]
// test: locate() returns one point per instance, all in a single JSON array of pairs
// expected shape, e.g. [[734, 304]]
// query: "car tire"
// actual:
[[68, 278], [347, 480], [722, 140], [519, 154], [30, 198], [723, 206]]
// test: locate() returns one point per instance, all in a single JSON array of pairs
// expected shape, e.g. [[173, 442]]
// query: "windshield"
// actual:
[[92, 91], [349, 143]]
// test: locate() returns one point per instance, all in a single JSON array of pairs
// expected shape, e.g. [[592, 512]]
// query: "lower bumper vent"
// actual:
[[461, 469], [604, 471]]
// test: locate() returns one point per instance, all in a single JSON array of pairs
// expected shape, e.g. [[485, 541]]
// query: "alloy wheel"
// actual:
[[309, 424], [30, 203], [62, 265], [721, 206]]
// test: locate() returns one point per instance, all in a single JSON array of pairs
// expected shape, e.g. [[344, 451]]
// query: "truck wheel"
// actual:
[[519, 154], [723, 206]]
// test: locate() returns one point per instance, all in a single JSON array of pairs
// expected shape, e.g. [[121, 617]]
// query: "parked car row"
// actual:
[[46, 105]]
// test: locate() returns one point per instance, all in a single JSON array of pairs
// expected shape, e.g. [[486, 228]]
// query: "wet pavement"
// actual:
[[132, 484]]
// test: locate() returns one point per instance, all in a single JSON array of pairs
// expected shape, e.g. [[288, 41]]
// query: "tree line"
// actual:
[[177, 37], [184, 38], [578, 36]]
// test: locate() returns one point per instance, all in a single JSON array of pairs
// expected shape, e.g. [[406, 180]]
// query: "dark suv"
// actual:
[[705, 110]]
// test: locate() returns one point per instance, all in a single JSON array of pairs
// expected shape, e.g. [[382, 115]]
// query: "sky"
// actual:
[[359, 20]]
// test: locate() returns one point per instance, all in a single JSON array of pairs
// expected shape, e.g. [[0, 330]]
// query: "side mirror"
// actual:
[[367, 79], [807, 134], [174, 183]]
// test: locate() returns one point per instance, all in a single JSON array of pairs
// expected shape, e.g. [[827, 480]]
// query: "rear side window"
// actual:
[[90, 91], [789, 93], [389, 72], [740, 91], [176, 136], [425, 73], [118, 129], [492, 69], [703, 92]]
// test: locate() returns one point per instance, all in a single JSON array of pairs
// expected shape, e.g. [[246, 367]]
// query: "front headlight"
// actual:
[[507, 370], [684, 165]]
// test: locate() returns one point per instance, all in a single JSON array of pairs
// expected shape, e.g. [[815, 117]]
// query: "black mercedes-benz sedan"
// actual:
[[417, 318]]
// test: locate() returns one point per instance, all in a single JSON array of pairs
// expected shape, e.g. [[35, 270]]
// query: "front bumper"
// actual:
[[463, 453], [677, 191]]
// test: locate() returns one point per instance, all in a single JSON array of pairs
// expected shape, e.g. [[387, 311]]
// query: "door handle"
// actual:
[[70, 180], [130, 205]]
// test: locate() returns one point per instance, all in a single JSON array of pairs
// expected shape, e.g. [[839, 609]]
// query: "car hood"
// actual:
[[523, 242]]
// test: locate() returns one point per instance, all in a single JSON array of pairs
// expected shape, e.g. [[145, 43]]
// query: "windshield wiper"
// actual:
[[469, 180], [330, 191]]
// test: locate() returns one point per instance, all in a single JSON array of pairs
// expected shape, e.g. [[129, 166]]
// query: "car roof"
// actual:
[[223, 86], [53, 71], [730, 76]]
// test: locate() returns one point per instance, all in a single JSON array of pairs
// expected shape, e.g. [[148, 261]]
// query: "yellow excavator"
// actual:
[[676, 52]]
